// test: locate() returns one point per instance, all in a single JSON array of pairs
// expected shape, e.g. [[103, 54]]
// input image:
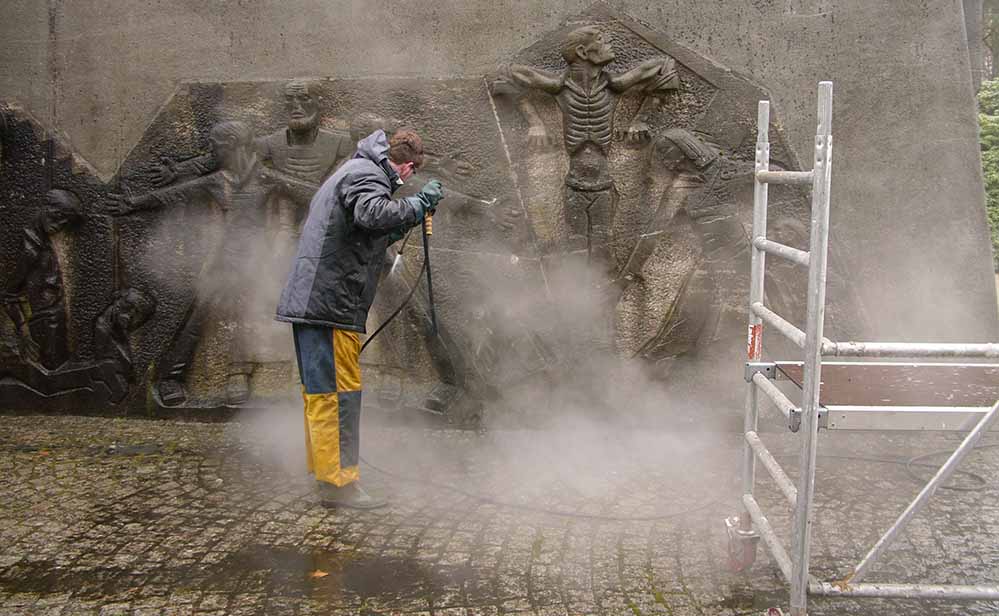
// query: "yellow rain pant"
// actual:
[[329, 365]]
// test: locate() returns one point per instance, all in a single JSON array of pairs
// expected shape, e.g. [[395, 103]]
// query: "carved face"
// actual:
[[598, 50], [133, 309], [227, 150], [61, 211], [232, 143], [55, 222], [302, 107], [223, 149]]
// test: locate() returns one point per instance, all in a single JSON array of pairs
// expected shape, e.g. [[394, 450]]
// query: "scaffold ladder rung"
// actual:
[[780, 250], [782, 402], [785, 177], [779, 323], [770, 463]]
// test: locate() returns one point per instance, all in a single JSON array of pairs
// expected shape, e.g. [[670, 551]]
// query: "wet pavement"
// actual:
[[111, 516]]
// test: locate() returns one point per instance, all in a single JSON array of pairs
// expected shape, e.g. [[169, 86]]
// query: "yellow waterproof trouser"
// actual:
[[329, 365]]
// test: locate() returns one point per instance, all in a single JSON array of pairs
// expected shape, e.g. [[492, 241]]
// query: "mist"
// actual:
[[585, 435]]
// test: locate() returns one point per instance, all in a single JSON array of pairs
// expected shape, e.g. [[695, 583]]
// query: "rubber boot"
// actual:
[[237, 389], [350, 496], [171, 392]]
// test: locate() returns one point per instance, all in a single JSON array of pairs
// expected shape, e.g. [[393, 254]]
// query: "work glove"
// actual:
[[431, 193], [396, 234]]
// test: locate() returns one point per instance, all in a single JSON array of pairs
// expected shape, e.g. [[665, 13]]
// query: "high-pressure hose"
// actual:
[[405, 302], [428, 230]]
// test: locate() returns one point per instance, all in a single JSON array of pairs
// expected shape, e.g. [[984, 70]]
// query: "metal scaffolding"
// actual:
[[820, 409]]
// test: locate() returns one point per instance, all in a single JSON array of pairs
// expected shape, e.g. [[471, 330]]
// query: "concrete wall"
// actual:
[[907, 185]]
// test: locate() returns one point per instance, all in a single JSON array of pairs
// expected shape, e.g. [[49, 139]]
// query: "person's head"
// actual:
[[131, 308], [301, 101], [62, 209], [405, 152], [228, 139], [587, 44]]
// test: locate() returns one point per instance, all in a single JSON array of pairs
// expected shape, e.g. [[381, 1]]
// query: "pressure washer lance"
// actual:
[[428, 230]]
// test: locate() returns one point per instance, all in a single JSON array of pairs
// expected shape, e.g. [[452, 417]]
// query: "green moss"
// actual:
[[988, 122]]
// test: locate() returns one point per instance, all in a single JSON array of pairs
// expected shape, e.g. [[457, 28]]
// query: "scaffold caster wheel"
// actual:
[[741, 544]]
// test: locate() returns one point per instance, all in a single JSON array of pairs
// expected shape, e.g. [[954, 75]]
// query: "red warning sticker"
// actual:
[[755, 347]]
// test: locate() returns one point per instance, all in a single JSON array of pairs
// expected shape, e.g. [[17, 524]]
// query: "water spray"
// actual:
[[398, 255]]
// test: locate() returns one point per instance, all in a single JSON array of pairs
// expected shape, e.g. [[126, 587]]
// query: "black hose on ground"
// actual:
[[907, 464], [918, 461], [489, 500]]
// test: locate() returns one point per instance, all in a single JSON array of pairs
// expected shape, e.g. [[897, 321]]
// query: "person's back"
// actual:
[[333, 279]]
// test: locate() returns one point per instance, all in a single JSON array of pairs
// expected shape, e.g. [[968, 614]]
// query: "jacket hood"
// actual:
[[375, 148]]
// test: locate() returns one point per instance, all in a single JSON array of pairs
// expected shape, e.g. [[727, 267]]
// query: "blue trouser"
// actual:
[[329, 365]]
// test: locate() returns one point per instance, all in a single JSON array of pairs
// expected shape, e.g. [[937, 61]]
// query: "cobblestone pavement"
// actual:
[[112, 516]]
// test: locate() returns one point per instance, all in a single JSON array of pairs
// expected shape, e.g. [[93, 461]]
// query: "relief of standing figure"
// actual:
[[302, 150], [587, 94], [241, 187], [35, 296]]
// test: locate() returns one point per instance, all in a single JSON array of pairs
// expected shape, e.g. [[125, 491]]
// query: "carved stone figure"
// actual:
[[587, 94], [302, 150], [129, 310], [241, 187], [699, 192], [107, 376], [34, 297]]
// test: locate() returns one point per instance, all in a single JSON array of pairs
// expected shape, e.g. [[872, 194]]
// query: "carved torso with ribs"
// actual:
[[311, 162], [587, 123]]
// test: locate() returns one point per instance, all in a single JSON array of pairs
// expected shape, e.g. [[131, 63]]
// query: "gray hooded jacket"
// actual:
[[342, 246]]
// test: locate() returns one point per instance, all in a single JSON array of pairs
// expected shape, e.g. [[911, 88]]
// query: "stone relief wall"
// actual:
[[599, 190]]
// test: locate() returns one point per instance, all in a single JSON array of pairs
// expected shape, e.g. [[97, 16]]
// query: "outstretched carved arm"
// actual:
[[167, 171], [654, 77], [120, 205], [199, 165], [299, 193], [526, 77], [169, 196]]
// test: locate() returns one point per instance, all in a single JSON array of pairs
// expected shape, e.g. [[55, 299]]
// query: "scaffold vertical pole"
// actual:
[[819, 239], [754, 339]]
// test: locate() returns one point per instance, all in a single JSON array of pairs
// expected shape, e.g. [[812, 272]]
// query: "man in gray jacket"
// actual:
[[351, 221]]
